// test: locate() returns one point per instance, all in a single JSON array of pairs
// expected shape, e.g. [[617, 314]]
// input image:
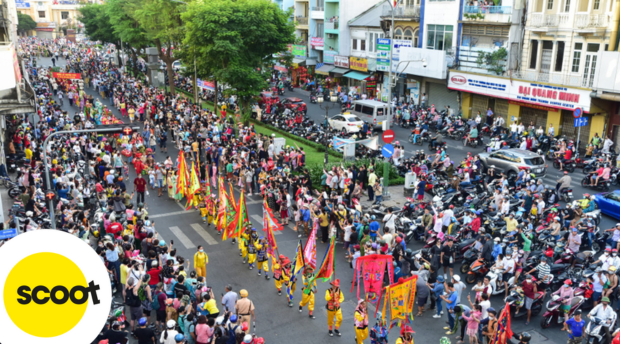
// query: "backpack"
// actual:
[[132, 300], [142, 293], [155, 303], [181, 323], [231, 335]]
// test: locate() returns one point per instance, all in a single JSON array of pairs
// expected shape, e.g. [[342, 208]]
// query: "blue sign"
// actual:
[[8, 234], [581, 122], [22, 4], [387, 151], [577, 112]]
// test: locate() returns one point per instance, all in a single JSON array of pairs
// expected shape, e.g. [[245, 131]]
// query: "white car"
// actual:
[[350, 123]]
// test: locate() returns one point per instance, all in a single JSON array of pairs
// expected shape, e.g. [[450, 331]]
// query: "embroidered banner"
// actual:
[[370, 270]]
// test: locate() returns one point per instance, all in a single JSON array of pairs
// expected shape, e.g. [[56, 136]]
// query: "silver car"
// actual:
[[511, 161]]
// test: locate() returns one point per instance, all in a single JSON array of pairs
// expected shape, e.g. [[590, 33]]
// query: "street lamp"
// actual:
[[320, 99]]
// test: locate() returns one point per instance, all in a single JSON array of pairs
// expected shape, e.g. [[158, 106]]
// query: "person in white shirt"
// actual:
[[447, 217], [607, 145], [605, 313], [389, 221]]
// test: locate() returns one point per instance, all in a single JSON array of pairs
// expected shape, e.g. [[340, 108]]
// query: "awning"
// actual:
[[339, 70], [298, 60], [311, 62], [324, 69], [357, 75]]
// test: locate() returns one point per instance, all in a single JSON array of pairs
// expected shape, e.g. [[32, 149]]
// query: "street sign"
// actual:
[[577, 112], [387, 151], [581, 122], [8, 234], [388, 136]]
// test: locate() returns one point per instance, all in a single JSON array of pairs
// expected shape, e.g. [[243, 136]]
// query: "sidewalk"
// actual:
[[397, 198]]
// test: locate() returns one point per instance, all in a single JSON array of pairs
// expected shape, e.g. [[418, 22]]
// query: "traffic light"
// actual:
[[50, 195]]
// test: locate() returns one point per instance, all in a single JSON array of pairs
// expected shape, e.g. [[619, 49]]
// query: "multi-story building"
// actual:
[[53, 17]]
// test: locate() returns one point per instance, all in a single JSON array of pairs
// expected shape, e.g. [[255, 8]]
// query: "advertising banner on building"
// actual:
[[328, 56], [414, 90], [383, 54], [358, 63], [398, 44], [22, 4], [558, 97], [316, 41], [341, 61], [297, 50]]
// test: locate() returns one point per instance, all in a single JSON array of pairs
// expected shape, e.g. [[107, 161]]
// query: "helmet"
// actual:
[[568, 282], [233, 318], [612, 269], [526, 337], [179, 338], [142, 321], [247, 338], [243, 293]]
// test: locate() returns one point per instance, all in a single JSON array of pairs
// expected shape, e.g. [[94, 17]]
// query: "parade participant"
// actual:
[[290, 281], [201, 260], [308, 292], [406, 335], [361, 322], [278, 272], [334, 298], [251, 248], [243, 243], [262, 257]]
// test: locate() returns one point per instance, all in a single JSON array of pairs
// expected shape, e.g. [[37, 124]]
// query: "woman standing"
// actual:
[[473, 322], [361, 322]]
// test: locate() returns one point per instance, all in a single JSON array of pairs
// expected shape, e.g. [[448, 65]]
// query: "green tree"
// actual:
[[97, 23], [235, 40], [128, 28], [25, 23]]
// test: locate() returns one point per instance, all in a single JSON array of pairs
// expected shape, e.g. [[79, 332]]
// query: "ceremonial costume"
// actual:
[[406, 336], [334, 298], [251, 247], [278, 272], [262, 258], [361, 322], [308, 292], [290, 281], [243, 244]]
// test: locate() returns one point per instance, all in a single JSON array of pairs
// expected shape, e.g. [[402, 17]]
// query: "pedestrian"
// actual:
[[473, 321], [229, 300], [201, 260], [450, 300], [575, 328], [139, 185]]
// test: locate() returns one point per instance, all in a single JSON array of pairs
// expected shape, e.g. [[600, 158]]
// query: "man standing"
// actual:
[[334, 298], [575, 328], [200, 262], [529, 290], [447, 258], [490, 117], [145, 335], [308, 292], [139, 186], [372, 178], [450, 300], [245, 308], [229, 300]]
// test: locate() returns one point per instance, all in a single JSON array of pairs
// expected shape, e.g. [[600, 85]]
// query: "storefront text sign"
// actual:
[[341, 61], [383, 54], [66, 75], [328, 56], [551, 96], [358, 63]]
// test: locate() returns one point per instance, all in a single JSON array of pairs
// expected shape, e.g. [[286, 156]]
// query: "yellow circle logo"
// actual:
[[38, 294], [54, 289]]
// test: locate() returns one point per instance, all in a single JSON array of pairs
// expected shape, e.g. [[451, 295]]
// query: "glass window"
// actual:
[[534, 54], [559, 59], [398, 34], [549, 4], [577, 57], [593, 47], [358, 107], [408, 35], [416, 38], [597, 4], [534, 161], [354, 44], [319, 29], [64, 15], [440, 37], [613, 196], [362, 45], [41, 14], [354, 119], [567, 6], [367, 110]]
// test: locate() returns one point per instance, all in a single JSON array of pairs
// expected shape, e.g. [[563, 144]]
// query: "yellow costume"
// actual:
[[361, 322], [243, 245], [204, 211], [200, 263], [402, 340], [308, 294], [251, 248], [262, 263], [278, 274], [334, 298]]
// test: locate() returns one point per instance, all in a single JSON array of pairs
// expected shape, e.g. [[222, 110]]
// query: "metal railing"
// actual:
[[302, 20], [488, 9], [318, 9], [586, 20], [401, 11], [550, 77], [332, 25]]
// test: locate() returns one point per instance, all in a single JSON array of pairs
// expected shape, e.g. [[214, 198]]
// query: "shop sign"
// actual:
[[414, 90], [358, 63], [383, 54], [297, 50], [551, 96], [328, 56], [533, 106], [341, 61], [316, 41], [398, 44], [22, 4]]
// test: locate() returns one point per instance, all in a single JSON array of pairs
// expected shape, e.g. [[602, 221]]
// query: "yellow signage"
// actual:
[[358, 63]]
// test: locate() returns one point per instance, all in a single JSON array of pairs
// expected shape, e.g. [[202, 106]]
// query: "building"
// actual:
[[606, 93], [53, 17]]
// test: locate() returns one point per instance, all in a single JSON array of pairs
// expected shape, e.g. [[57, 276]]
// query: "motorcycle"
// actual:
[[566, 195], [553, 310], [313, 99], [568, 166], [602, 185], [516, 299], [498, 286], [594, 330], [477, 270]]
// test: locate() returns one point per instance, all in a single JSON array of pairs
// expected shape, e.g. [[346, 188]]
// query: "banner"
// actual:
[[268, 229], [310, 248], [401, 297], [383, 54], [297, 50], [358, 63], [504, 331], [316, 41], [66, 75], [370, 269], [341, 61], [339, 143], [209, 85], [328, 56], [371, 143]]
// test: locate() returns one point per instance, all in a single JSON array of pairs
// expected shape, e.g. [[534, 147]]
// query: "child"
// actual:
[[204, 211], [152, 178], [472, 324], [125, 169], [478, 288]]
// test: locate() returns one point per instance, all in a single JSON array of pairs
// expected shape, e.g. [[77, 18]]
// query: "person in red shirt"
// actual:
[[475, 223], [529, 290], [154, 273], [139, 186], [567, 156], [115, 228]]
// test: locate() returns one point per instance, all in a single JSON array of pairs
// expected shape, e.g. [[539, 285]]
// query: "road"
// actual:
[[278, 323]]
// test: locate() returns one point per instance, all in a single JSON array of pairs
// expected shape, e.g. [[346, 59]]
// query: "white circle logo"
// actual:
[[54, 289]]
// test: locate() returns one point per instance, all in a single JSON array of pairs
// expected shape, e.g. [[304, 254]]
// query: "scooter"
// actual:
[[602, 185], [498, 286], [516, 298], [477, 270], [594, 330], [553, 310]]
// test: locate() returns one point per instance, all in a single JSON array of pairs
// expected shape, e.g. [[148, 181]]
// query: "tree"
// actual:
[[128, 28], [97, 23], [25, 23], [161, 20], [237, 39], [493, 62]]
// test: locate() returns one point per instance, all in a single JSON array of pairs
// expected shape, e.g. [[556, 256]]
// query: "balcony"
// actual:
[[301, 0], [557, 78], [301, 21], [332, 27], [402, 12], [317, 13], [550, 21], [487, 14], [588, 21], [582, 23]]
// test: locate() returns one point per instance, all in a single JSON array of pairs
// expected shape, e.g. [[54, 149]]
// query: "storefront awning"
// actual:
[[324, 69], [357, 75], [340, 70], [298, 60], [311, 62]]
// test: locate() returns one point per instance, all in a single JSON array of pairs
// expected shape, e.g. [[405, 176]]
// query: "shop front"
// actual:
[[526, 102]]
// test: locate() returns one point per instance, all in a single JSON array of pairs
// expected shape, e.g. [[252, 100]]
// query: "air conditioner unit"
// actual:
[[331, 35]]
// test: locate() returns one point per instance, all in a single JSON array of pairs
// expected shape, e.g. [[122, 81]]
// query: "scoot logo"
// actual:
[[54, 289]]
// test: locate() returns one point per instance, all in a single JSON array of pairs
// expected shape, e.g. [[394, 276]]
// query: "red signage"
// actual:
[[66, 75], [533, 106], [549, 94], [388, 136], [458, 80]]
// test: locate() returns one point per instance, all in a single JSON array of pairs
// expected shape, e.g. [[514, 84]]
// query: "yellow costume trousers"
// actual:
[[330, 318], [204, 212], [252, 258], [201, 271], [263, 266], [292, 290], [308, 300], [244, 252], [279, 284], [361, 334]]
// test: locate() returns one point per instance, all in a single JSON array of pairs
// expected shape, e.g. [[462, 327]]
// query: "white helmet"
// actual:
[[247, 338], [29, 214]]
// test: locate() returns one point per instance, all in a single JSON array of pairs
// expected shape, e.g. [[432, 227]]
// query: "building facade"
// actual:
[[53, 17]]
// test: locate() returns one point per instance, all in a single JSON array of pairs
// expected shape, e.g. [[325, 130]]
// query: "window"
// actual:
[[372, 46], [534, 54], [559, 58], [549, 4], [567, 6], [593, 47], [577, 57], [319, 29], [367, 110], [408, 35], [398, 34], [64, 15], [41, 14], [354, 44], [416, 38], [597, 4], [439, 37], [362, 44]]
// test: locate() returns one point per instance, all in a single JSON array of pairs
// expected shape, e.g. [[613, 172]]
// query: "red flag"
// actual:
[[310, 248], [504, 332], [326, 271]]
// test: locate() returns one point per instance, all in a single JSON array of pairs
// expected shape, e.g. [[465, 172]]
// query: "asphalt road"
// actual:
[[277, 322]]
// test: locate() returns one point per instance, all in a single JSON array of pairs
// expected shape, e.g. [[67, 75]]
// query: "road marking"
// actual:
[[260, 220], [204, 234], [187, 242], [172, 214]]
